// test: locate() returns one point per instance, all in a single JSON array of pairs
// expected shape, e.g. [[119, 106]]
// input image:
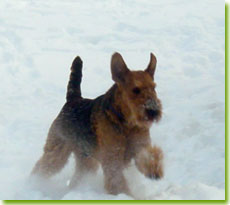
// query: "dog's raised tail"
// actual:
[[74, 85]]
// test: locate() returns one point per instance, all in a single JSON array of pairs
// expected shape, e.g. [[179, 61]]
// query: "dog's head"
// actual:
[[137, 91]]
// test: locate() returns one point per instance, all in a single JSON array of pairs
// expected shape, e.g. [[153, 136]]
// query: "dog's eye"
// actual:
[[136, 90]]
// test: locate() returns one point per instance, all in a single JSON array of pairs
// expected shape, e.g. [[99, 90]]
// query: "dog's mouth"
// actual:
[[152, 115], [152, 110]]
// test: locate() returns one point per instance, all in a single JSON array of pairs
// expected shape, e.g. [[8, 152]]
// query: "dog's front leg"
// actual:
[[113, 165], [115, 182], [149, 161]]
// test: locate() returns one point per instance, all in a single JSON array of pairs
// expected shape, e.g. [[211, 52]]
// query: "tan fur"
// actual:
[[56, 154], [121, 130]]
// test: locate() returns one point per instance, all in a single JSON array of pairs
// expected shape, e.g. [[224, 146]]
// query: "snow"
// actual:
[[38, 41]]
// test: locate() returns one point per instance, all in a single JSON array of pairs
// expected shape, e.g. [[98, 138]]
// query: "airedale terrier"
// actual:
[[111, 129]]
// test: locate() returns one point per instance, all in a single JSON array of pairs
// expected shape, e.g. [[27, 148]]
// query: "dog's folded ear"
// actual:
[[118, 68], [152, 65]]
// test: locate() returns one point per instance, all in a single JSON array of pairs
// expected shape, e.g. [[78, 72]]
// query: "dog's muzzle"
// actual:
[[152, 109]]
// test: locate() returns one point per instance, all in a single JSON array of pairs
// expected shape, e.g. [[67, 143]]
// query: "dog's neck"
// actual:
[[111, 108]]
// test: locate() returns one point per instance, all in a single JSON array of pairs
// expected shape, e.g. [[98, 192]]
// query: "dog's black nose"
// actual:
[[152, 114]]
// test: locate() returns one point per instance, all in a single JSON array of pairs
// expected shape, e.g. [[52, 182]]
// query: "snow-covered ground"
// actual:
[[38, 41]]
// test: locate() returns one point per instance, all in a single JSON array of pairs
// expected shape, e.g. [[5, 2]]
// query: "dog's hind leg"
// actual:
[[56, 154], [84, 165]]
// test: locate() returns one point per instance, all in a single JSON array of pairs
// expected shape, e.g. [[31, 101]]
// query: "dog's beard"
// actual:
[[141, 116], [146, 117]]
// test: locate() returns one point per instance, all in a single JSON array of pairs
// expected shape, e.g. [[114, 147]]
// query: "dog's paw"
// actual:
[[150, 162]]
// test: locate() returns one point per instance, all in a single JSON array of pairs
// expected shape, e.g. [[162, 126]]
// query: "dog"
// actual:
[[110, 130]]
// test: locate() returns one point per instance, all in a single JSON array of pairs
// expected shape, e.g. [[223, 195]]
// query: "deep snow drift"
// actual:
[[38, 41]]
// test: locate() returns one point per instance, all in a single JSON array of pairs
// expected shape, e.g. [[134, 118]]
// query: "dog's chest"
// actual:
[[136, 140]]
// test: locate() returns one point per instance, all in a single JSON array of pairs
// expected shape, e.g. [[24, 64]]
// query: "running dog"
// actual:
[[111, 129]]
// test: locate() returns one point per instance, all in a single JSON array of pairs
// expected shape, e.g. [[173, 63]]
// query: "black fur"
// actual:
[[74, 86], [74, 122]]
